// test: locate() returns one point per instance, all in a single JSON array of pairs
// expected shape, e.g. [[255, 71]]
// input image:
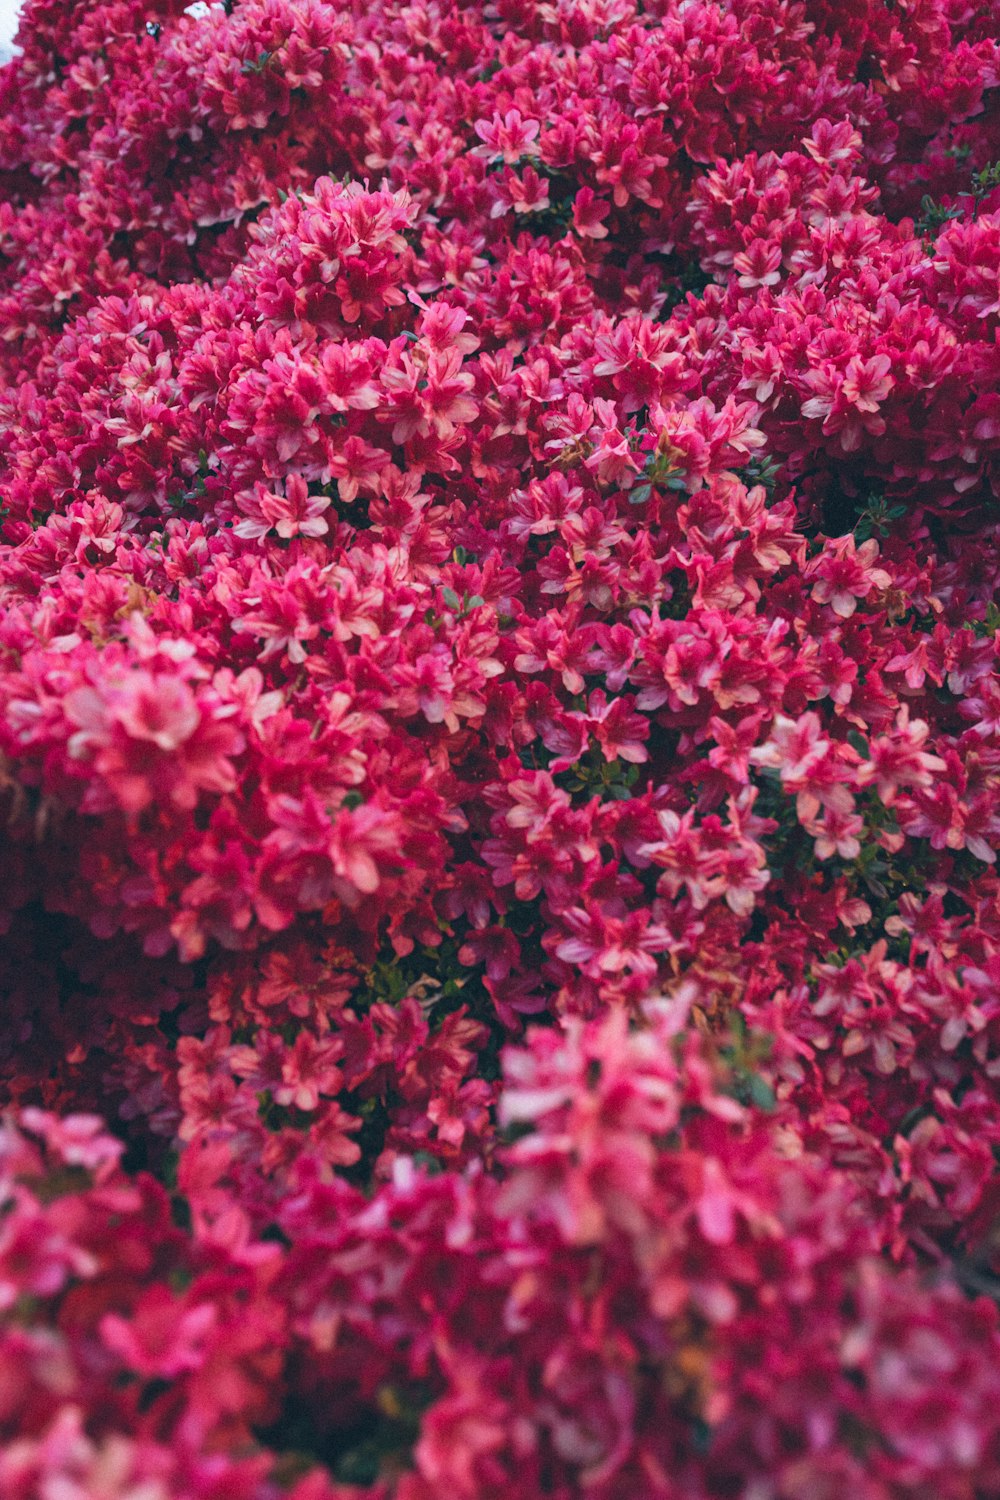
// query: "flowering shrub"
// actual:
[[500, 751]]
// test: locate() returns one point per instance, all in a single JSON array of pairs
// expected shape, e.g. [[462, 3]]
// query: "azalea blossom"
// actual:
[[500, 751]]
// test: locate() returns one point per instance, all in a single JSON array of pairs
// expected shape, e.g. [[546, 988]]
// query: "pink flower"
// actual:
[[867, 382], [307, 1071], [507, 137], [845, 573], [618, 729], [296, 513], [759, 264], [589, 213], [162, 1338], [603, 944], [848, 401], [795, 748], [151, 738], [836, 833], [898, 759]]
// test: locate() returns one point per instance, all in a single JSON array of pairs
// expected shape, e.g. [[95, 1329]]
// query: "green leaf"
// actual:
[[761, 1092]]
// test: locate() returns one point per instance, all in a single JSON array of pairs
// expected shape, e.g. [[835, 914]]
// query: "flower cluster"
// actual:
[[651, 1291], [500, 751]]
